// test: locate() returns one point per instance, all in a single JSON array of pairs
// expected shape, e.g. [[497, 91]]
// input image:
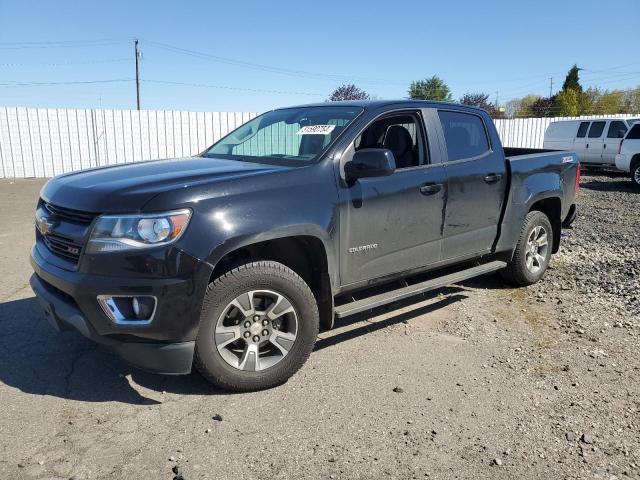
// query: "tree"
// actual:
[[430, 89], [542, 107], [348, 92], [572, 81], [566, 103], [482, 100]]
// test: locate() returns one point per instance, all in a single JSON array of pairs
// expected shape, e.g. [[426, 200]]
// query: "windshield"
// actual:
[[291, 136]]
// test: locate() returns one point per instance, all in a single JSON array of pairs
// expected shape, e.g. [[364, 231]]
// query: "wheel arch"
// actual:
[[305, 254], [552, 208]]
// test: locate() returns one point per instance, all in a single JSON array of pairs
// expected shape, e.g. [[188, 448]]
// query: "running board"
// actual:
[[406, 292]]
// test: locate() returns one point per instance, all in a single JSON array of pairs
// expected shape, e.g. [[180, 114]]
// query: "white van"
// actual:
[[628, 158], [595, 140]]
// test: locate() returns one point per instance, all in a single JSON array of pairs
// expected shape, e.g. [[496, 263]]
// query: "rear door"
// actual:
[[477, 180], [593, 147], [616, 130], [580, 142]]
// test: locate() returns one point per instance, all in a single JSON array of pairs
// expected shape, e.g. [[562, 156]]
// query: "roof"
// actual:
[[373, 104]]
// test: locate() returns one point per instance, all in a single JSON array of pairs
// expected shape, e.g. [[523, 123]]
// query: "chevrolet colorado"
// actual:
[[231, 260]]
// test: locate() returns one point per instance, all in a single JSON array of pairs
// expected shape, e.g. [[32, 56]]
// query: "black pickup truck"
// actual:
[[232, 260]]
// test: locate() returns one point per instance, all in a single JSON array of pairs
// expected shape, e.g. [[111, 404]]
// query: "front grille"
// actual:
[[63, 247], [69, 214]]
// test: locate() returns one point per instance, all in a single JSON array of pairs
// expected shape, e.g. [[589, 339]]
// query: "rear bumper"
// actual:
[[63, 314]]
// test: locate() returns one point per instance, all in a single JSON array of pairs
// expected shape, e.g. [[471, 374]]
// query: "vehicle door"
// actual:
[[477, 182], [616, 131], [580, 141], [393, 224], [593, 146]]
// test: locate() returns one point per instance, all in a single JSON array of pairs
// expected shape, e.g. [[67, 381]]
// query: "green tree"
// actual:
[[430, 89], [566, 103], [525, 107], [609, 102], [572, 80]]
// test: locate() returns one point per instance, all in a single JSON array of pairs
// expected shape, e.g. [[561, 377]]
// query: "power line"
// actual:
[[226, 87], [46, 84], [63, 64], [60, 44], [272, 69]]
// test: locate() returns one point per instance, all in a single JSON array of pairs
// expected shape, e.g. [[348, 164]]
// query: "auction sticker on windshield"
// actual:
[[316, 130]]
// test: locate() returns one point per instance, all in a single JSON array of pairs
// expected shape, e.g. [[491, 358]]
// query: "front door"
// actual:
[[580, 142], [616, 131], [477, 183], [393, 224]]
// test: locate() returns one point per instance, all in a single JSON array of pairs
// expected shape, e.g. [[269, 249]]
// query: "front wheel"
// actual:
[[533, 251], [258, 326]]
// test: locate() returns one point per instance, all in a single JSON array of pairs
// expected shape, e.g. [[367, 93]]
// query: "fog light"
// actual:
[[126, 310]]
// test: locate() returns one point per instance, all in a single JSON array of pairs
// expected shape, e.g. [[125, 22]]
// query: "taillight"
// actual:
[[578, 178], [620, 146]]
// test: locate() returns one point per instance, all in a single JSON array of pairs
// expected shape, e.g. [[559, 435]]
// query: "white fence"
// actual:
[[46, 142]]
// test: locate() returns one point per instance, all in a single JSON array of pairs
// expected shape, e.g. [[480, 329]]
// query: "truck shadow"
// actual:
[[623, 185], [37, 360]]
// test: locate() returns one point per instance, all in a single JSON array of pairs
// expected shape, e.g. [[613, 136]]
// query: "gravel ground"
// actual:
[[474, 381]]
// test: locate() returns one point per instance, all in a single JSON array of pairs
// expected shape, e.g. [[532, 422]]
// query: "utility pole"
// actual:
[[137, 53], [496, 100], [550, 87]]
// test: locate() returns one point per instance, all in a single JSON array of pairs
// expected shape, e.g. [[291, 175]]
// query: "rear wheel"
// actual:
[[533, 251], [258, 326]]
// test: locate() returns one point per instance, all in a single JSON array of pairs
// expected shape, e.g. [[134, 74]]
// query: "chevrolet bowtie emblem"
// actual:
[[45, 224]]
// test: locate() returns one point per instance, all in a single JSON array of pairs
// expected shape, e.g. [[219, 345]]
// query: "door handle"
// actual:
[[430, 188], [604, 147], [492, 178], [587, 146]]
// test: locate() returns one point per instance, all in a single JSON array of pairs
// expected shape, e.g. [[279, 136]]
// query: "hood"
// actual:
[[127, 188]]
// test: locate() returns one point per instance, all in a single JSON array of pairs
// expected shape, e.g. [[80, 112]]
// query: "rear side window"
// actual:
[[617, 129], [634, 133], [596, 129], [582, 129], [464, 135]]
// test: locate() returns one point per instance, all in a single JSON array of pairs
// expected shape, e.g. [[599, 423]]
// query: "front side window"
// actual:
[[582, 130], [291, 136], [399, 133], [617, 129], [596, 129], [464, 135]]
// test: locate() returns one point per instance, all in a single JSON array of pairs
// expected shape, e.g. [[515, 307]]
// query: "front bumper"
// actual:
[[166, 345]]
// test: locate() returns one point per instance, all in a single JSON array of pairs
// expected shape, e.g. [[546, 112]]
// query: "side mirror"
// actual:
[[370, 162]]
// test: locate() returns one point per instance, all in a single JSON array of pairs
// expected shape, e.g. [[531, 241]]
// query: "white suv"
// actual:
[[628, 157]]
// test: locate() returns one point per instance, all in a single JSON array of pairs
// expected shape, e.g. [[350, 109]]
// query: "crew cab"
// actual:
[[628, 157], [232, 260]]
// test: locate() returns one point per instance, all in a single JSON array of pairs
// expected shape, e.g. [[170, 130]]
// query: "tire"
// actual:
[[525, 268], [635, 174], [254, 293]]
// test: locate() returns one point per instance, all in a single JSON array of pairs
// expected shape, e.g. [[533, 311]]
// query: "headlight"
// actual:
[[130, 232]]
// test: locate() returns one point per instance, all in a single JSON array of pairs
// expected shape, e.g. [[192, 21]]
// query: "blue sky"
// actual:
[[299, 51]]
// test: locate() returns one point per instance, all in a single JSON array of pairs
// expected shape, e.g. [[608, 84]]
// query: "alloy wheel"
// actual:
[[256, 330]]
